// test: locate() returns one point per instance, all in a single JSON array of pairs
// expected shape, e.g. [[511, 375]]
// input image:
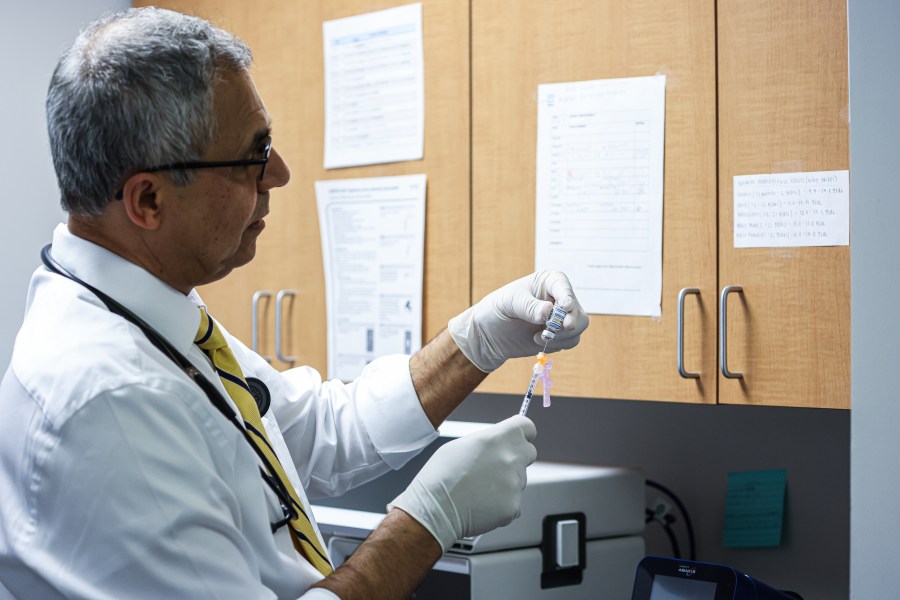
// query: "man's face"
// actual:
[[217, 218]]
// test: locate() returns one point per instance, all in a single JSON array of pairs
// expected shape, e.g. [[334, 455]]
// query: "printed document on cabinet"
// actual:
[[600, 190], [373, 246], [374, 87]]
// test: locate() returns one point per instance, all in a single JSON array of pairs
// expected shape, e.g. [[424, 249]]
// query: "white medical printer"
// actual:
[[578, 536]]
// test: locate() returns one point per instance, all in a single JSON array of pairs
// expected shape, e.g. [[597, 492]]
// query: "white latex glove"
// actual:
[[472, 484], [508, 322]]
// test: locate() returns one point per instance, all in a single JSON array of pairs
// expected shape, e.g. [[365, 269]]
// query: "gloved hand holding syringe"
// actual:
[[448, 496], [541, 369]]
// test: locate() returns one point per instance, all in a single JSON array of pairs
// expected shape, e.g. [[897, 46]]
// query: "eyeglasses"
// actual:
[[215, 164], [248, 162], [287, 503]]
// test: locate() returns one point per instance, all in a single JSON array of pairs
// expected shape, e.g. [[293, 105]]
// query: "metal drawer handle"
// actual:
[[686, 374], [254, 321], [723, 337], [278, 325]]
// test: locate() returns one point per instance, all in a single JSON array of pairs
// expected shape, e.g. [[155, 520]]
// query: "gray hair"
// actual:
[[134, 91]]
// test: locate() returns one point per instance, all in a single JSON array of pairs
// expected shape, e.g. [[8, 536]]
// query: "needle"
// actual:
[[554, 324]]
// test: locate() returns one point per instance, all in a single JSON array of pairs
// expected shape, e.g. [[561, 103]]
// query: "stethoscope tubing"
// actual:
[[214, 396]]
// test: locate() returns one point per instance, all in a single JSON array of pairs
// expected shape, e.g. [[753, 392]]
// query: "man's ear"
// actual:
[[143, 201]]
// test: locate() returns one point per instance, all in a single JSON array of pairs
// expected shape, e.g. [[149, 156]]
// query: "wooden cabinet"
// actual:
[[286, 39], [752, 88], [530, 43], [783, 107], [765, 83]]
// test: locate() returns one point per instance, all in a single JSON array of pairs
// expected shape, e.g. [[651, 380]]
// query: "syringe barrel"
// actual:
[[523, 410], [527, 399]]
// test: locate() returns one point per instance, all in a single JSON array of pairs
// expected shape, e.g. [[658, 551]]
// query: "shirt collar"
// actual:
[[168, 311]]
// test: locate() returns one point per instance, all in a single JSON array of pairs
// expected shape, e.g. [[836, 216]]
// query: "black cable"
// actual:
[[687, 518], [676, 549], [666, 526]]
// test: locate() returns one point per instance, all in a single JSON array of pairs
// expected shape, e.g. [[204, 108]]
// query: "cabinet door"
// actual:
[[783, 107], [286, 39], [515, 47]]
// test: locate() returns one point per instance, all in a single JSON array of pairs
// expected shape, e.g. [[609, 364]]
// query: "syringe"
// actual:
[[553, 325], [526, 401]]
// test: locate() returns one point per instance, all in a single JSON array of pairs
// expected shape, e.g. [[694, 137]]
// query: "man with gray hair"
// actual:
[[134, 461]]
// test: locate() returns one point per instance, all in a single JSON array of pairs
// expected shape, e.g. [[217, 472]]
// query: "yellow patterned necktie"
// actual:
[[212, 342]]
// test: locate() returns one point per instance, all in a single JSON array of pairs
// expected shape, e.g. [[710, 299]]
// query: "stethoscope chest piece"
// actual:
[[260, 393]]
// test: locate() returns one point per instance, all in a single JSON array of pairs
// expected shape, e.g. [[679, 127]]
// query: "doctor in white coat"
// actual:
[[120, 476]]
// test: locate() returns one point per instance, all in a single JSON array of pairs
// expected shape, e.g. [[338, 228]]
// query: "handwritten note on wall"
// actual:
[[792, 209], [754, 509]]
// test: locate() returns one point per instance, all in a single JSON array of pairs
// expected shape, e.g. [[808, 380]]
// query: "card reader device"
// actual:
[[659, 578]]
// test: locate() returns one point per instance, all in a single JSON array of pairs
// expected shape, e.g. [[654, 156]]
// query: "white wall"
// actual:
[[875, 284], [33, 34]]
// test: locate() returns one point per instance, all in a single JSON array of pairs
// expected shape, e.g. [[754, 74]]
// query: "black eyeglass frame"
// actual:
[[215, 164]]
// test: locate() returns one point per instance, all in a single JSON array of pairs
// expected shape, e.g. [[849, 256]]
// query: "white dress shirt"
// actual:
[[120, 479]]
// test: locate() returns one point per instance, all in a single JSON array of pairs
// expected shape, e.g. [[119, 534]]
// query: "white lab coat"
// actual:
[[118, 477]]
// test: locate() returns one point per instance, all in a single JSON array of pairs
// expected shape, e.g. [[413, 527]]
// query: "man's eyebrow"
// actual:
[[260, 136]]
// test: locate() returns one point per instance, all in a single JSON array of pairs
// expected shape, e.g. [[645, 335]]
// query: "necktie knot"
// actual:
[[208, 335]]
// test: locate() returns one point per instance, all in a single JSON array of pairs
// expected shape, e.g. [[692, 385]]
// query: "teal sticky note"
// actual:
[[754, 509]]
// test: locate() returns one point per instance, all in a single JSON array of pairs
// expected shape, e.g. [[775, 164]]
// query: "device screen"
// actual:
[[677, 588], [659, 578]]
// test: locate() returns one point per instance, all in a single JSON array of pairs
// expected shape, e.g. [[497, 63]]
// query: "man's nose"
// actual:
[[277, 172]]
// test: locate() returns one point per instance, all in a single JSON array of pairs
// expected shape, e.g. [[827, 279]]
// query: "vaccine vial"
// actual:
[[554, 323]]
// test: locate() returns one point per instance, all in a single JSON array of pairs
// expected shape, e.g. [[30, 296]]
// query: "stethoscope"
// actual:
[[288, 506]]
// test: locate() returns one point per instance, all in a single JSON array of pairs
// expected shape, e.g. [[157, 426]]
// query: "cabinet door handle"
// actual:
[[254, 321], [723, 336], [279, 298], [686, 374]]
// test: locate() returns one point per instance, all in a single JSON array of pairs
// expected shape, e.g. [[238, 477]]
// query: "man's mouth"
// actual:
[[258, 225]]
